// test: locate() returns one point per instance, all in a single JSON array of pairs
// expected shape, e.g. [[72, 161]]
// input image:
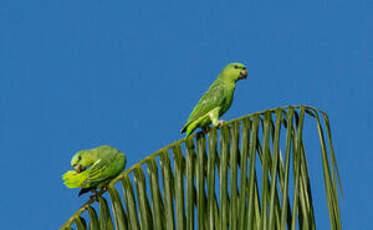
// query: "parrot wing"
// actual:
[[87, 178], [73, 179], [97, 173], [213, 98]]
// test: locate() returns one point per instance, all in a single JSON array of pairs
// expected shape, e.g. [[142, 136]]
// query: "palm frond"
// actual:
[[250, 174]]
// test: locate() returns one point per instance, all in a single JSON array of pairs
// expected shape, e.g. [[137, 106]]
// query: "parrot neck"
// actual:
[[94, 156], [226, 79], [91, 158]]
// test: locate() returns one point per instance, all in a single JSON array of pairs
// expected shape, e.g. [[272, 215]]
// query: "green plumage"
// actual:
[[217, 100], [94, 168]]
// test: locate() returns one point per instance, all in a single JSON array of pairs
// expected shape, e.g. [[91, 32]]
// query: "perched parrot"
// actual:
[[216, 101], [94, 168]]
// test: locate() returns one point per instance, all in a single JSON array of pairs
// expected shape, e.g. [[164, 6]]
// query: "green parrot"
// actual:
[[94, 168], [216, 101]]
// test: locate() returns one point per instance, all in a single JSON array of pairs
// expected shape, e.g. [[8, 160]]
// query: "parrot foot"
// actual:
[[94, 197], [206, 129], [221, 123], [104, 188], [95, 194]]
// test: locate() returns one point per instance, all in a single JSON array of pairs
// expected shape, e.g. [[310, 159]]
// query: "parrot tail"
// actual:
[[183, 129], [191, 128], [73, 179]]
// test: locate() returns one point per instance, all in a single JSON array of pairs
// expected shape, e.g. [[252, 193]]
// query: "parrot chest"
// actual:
[[229, 91]]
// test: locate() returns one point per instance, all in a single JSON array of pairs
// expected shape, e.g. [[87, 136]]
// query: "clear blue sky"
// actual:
[[78, 74]]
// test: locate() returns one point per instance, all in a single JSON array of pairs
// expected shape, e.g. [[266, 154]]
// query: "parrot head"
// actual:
[[81, 161], [235, 71]]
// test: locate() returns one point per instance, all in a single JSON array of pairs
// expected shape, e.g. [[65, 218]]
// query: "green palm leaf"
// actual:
[[253, 174]]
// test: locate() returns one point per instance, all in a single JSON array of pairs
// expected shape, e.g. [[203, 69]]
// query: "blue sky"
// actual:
[[78, 74]]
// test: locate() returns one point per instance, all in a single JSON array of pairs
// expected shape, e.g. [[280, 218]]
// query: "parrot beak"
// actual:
[[79, 168], [243, 74]]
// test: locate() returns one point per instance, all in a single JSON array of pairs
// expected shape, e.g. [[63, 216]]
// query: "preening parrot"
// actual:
[[94, 168]]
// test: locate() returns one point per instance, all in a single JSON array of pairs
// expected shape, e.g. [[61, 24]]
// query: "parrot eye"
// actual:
[[236, 66], [79, 158]]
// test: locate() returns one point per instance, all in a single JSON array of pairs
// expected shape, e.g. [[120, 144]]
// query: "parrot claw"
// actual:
[[221, 123], [94, 197], [104, 188], [206, 129]]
